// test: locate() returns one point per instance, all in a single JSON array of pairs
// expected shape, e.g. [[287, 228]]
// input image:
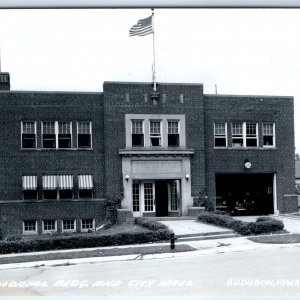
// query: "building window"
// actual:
[[220, 133], [49, 226], [137, 133], [87, 225], [48, 135], [251, 135], [237, 135], [65, 187], [58, 187], [174, 195], [149, 196], [84, 134], [244, 134], [49, 187], [65, 135], [136, 196], [173, 134], [69, 225], [268, 134], [155, 133], [30, 227], [29, 187], [85, 186], [28, 130]]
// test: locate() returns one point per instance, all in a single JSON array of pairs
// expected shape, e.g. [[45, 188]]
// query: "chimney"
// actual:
[[4, 81]]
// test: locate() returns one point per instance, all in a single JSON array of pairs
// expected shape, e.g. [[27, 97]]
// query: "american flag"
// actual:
[[143, 27]]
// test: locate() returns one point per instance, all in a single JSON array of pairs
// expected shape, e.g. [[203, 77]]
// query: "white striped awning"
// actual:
[[65, 182], [85, 182], [29, 183], [49, 182]]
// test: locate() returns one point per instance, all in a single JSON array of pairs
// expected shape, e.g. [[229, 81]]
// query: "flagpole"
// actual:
[[153, 69]]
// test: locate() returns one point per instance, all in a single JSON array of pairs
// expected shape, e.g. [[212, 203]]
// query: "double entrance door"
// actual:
[[155, 197]]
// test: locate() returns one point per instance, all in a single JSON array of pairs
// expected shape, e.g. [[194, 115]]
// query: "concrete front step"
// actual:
[[173, 218], [205, 237], [204, 234]]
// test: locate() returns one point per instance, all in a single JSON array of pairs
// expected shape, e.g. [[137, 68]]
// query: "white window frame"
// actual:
[[136, 202], [143, 132], [56, 133], [152, 201], [156, 135], [217, 135], [91, 134], [86, 230], [164, 119], [273, 135], [68, 230], [177, 182], [22, 132], [243, 136], [71, 133], [251, 137], [178, 127], [46, 230], [30, 232]]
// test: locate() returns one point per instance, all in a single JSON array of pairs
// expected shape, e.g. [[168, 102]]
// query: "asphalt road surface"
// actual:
[[273, 272]]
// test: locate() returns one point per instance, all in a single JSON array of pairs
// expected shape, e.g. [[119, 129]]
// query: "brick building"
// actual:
[[64, 153]]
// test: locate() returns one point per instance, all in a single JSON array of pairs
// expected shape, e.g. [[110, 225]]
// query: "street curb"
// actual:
[[137, 257]]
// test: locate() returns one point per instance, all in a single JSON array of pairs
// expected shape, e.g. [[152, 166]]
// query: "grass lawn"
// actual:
[[277, 239], [59, 255]]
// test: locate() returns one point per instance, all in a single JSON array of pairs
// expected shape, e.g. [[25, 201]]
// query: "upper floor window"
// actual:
[[84, 134], [48, 135], [155, 133], [237, 134], [137, 133], [155, 130], [173, 133], [251, 135], [64, 135], [244, 134], [220, 134], [56, 135], [28, 130], [268, 133]]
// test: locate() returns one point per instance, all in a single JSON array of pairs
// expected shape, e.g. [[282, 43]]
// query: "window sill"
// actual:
[[30, 233], [56, 149], [160, 151], [245, 148]]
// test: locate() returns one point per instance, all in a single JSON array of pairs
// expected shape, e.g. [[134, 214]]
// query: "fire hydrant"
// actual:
[[172, 241]]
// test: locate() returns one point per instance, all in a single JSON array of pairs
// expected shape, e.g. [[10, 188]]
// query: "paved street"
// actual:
[[250, 273]]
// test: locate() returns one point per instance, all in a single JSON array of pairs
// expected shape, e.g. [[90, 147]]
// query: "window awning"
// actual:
[[29, 183], [85, 182], [65, 182], [49, 182]]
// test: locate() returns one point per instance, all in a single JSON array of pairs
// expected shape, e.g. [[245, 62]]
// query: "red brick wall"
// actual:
[[259, 109], [116, 106]]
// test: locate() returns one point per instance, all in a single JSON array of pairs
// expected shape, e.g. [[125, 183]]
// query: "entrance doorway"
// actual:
[[159, 198], [245, 194]]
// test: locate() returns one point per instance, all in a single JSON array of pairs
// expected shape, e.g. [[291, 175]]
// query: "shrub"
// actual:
[[73, 242], [261, 225], [151, 224]]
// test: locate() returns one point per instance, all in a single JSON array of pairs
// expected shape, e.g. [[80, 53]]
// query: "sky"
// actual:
[[242, 51]]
